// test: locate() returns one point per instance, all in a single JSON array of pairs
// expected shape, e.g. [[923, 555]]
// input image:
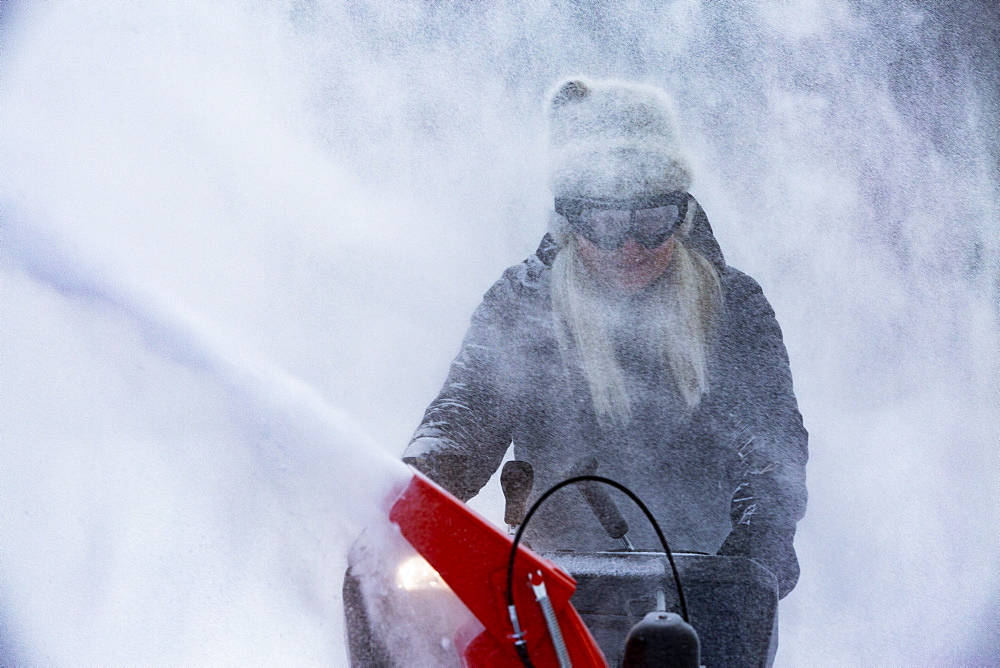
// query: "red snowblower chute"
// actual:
[[471, 556]]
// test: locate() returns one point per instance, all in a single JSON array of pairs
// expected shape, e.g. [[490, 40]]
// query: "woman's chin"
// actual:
[[631, 284], [634, 280]]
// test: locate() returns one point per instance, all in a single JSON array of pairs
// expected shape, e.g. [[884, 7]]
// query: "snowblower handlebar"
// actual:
[[600, 501]]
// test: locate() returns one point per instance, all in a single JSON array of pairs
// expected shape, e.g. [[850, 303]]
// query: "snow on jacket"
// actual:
[[727, 478]]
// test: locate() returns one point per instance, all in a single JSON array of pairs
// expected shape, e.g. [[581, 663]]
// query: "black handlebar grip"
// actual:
[[516, 480], [600, 501]]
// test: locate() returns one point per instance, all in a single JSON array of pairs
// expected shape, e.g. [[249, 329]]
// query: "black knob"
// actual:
[[662, 639]]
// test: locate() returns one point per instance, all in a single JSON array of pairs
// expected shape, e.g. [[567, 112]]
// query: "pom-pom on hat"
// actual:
[[613, 140]]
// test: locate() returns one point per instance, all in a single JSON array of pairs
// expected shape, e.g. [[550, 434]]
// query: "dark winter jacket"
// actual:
[[727, 478]]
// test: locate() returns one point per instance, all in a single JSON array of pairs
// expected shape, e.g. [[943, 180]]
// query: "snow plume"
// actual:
[[332, 185], [165, 498]]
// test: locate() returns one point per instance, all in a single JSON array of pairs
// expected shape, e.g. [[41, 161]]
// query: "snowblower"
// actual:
[[623, 607]]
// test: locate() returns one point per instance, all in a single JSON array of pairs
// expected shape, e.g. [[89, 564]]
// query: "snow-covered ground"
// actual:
[[240, 242]]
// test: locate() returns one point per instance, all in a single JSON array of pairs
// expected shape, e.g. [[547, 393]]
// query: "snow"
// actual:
[[240, 242], [171, 501]]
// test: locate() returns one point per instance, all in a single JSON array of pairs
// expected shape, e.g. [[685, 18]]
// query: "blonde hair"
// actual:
[[682, 307]]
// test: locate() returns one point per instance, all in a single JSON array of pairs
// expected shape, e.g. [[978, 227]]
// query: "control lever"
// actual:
[[601, 502], [516, 480]]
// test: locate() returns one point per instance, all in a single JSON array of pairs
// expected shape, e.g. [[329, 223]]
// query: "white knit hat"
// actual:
[[613, 140]]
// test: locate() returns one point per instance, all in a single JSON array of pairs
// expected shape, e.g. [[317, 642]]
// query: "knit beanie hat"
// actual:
[[613, 140]]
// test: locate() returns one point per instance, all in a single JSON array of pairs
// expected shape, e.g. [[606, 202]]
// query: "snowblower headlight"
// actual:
[[416, 574]]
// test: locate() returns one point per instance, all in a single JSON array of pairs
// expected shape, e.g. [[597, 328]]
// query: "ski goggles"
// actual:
[[608, 223]]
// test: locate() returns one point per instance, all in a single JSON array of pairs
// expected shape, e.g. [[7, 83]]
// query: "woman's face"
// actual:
[[629, 268]]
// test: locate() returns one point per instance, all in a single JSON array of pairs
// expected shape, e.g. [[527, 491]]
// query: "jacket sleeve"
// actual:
[[772, 447], [466, 430]]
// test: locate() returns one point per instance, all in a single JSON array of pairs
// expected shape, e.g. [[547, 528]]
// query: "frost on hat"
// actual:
[[611, 139]]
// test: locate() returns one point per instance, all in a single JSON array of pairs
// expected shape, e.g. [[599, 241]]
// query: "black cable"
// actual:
[[522, 649]]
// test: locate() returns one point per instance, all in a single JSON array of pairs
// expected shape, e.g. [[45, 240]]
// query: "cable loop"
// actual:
[[522, 649]]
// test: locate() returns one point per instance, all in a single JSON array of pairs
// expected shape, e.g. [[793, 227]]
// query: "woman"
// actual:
[[627, 338]]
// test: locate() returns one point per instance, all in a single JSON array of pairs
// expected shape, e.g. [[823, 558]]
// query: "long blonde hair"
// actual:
[[681, 307]]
